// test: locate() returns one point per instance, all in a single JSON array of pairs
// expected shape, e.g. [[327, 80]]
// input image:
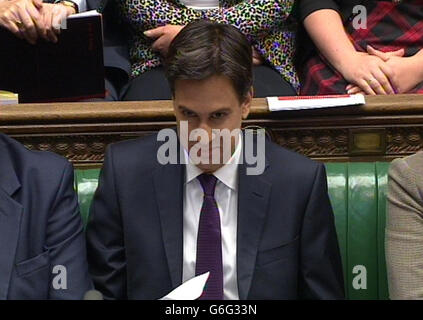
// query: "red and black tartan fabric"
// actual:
[[390, 27]]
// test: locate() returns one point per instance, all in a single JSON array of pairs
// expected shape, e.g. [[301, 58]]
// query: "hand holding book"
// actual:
[[70, 70], [52, 17], [33, 19]]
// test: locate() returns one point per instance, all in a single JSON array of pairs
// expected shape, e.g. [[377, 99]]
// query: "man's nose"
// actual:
[[206, 131]]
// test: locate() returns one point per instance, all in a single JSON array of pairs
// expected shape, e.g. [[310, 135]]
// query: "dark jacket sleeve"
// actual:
[[321, 265], [343, 7], [105, 242]]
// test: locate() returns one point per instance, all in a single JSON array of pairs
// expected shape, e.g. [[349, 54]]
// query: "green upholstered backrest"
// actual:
[[86, 181], [358, 196]]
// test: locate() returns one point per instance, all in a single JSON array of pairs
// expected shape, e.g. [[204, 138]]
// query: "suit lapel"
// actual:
[[253, 198], [168, 184], [10, 217]]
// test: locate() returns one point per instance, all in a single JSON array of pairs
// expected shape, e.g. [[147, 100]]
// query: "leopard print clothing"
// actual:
[[263, 22]]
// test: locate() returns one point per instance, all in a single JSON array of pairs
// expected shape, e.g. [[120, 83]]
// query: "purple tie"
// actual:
[[209, 241]]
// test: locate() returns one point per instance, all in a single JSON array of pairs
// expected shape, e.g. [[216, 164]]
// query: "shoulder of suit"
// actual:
[[284, 158], [135, 152], [415, 162], [136, 145], [408, 166], [288, 167], [406, 178], [20, 155]]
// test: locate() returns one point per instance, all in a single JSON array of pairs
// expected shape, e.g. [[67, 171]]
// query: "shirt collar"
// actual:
[[228, 174]]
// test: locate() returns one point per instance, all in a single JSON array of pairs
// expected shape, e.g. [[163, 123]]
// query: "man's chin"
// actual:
[[209, 168]]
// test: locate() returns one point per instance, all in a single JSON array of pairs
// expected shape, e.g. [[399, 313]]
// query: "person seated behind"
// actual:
[[264, 232], [42, 244], [404, 228], [148, 27], [370, 47], [33, 19]]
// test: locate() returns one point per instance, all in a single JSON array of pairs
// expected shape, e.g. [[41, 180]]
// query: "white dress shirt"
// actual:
[[82, 5], [226, 195], [201, 4]]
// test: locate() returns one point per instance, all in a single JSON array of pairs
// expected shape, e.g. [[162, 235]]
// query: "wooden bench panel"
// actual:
[[385, 128]]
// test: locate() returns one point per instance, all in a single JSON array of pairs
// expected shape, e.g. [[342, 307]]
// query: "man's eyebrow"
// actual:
[[183, 108], [224, 109]]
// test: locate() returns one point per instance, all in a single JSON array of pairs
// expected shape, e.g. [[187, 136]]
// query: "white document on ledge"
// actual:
[[191, 289], [313, 102], [91, 13]]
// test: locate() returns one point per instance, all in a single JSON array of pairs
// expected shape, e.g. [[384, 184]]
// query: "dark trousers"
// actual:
[[115, 82], [152, 85]]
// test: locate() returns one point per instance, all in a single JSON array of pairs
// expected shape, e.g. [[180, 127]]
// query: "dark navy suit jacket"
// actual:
[[40, 227], [286, 245]]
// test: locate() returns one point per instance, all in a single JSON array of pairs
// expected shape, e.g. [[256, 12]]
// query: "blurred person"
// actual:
[[404, 228], [42, 244]]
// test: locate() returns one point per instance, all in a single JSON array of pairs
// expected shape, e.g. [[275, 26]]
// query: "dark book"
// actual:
[[70, 70]]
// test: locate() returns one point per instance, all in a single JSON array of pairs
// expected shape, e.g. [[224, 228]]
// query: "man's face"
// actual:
[[209, 104]]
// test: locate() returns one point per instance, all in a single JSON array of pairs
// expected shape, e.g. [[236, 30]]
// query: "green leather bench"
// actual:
[[358, 196]]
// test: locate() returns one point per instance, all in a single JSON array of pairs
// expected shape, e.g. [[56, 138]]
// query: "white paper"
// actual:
[[303, 103], [191, 289], [7, 98], [91, 13]]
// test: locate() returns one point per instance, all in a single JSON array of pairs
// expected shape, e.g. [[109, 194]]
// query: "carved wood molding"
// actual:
[[404, 141], [325, 144], [313, 142]]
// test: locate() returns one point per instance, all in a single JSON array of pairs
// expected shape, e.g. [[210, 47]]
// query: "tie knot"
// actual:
[[208, 183]]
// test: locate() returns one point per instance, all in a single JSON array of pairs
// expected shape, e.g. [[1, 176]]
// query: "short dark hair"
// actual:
[[203, 49]]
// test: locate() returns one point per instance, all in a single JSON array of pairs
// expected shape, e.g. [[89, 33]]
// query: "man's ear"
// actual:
[[174, 105], [245, 106]]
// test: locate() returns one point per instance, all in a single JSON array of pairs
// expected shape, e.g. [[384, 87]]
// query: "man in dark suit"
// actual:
[[42, 245], [267, 234]]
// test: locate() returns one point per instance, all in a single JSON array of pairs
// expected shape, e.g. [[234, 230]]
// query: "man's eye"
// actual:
[[218, 115], [187, 113]]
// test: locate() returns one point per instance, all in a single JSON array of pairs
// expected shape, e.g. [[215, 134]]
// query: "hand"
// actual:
[[52, 17], [257, 58], [164, 36], [23, 18], [385, 56], [407, 72], [370, 73], [353, 89]]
